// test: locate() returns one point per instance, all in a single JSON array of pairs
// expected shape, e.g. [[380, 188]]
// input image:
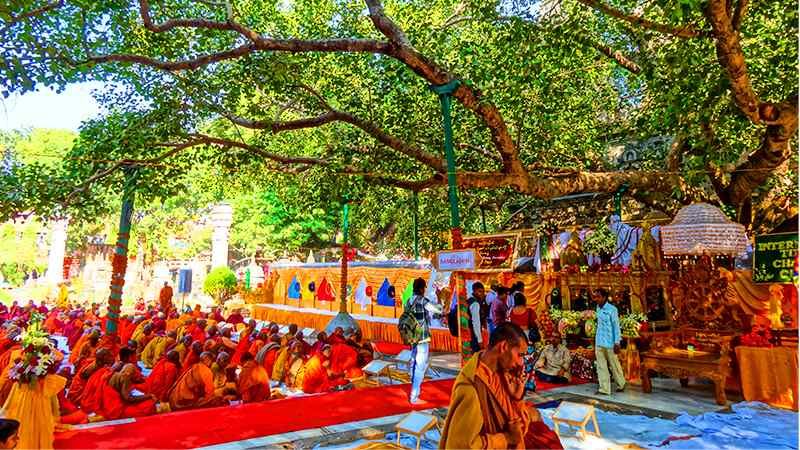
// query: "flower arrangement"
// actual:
[[601, 241], [760, 335], [630, 324], [38, 353]]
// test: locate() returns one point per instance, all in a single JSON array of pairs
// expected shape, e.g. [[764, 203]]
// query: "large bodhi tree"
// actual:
[[319, 87]]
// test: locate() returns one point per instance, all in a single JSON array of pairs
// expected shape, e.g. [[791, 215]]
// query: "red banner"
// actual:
[[496, 252]]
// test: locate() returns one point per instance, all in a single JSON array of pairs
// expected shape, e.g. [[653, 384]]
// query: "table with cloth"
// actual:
[[769, 375]]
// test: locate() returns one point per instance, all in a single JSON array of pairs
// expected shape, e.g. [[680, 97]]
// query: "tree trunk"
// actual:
[[119, 263]]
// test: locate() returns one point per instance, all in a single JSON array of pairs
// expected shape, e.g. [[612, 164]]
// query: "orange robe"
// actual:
[[112, 405], [8, 357], [189, 360], [76, 350], [253, 383], [270, 356], [344, 360], [78, 383], [70, 413], [194, 388], [107, 342], [241, 349], [313, 377], [163, 376], [93, 392]]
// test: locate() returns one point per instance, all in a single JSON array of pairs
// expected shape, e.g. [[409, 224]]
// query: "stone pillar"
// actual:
[[221, 219], [58, 248]]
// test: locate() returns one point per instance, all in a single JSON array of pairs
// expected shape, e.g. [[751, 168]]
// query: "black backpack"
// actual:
[[452, 321]]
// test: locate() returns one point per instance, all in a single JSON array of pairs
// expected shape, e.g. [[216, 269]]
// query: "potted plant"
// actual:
[[601, 242], [220, 284]]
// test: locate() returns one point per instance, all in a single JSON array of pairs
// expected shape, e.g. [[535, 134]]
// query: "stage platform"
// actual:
[[374, 328]]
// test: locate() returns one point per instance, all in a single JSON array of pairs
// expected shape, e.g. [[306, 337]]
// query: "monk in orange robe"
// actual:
[[89, 400], [253, 383], [313, 377], [9, 359], [337, 337], [244, 343], [163, 376], [118, 401], [85, 368], [86, 346], [195, 387], [197, 313], [165, 298], [258, 342], [269, 353], [173, 322], [344, 361], [110, 342]]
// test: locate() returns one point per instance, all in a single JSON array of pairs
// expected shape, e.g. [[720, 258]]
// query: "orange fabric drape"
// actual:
[[769, 375], [441, 340]]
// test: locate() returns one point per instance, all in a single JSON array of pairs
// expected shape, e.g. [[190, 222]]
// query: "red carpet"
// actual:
[[211, 426], [189, 429]]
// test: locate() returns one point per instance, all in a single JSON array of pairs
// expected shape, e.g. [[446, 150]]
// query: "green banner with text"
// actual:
[[775, 258]]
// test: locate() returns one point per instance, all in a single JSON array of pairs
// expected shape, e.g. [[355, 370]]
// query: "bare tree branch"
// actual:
[[144, 11], [686, 31], [617, 56]]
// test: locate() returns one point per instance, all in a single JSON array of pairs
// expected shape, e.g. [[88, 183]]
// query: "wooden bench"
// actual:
[[668, 355]]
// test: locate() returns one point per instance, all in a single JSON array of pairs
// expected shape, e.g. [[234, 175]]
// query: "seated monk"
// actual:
[[322, 340], [89, 401], [173, 322], [253, 384], [314, 376], [289, 335], [364, 349], [306, 347], [235, 318], [86, 346], [155, 349], [224, 375], [344, 361], [197, 314], [195, 387], [293, 364], [487, 409], [85, 368], [225, 338], [269, 353], [258, 342], [183, 347], [337, 337], [244, 343], [110, 342], [198, 331], [192, 356], [118, 400], [163, 376], [146, 336]]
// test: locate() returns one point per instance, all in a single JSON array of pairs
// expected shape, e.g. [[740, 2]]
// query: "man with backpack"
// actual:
[[415, 329]]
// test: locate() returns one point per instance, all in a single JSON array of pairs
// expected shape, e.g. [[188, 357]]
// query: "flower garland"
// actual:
[[38, 353]]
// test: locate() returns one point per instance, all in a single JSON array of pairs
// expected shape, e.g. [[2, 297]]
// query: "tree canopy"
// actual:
[[333, 98]]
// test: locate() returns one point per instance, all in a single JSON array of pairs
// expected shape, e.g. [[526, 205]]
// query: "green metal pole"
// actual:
[[445, 91], [618, 199], [119, 262], [483, 220], [415, 198]]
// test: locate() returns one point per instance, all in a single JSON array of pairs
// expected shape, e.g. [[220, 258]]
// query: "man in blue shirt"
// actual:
[[606, 344]]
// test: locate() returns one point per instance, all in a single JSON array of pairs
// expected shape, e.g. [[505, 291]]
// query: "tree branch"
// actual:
[[739, 13], [686, 31], [212, 140], [171, 66], [617, 56], [35, 12], [144, 11]]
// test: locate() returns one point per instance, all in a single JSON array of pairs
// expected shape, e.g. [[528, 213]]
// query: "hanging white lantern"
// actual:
[[700, 229]]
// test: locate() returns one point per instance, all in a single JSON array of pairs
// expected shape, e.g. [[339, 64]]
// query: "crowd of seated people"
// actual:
[[160, 361]]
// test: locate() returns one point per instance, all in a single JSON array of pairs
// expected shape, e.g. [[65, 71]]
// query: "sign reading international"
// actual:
[[455, 260], [496, 251], [775, 258]]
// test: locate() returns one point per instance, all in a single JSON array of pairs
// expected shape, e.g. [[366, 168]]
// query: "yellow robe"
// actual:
[[37, 410], [138, 333], [279, 369], [154, 350], [463, 427]]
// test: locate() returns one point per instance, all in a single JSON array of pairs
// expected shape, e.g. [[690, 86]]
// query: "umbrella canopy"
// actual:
[[700, 229]]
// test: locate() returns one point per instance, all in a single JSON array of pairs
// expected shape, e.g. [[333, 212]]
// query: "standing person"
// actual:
[[606, 343], [420, 306], [487, 409], [491, 298], [499, 308], [165, 298], [524, 317], [516, 288], [478, 316]]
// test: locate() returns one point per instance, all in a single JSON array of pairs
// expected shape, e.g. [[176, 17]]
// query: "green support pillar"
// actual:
[[119, 263], [483, 220], [618, 200], [445, 92], [415, 200], [343, 319]]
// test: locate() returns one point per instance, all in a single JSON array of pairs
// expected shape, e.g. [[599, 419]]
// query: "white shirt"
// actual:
[[475, 312]]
